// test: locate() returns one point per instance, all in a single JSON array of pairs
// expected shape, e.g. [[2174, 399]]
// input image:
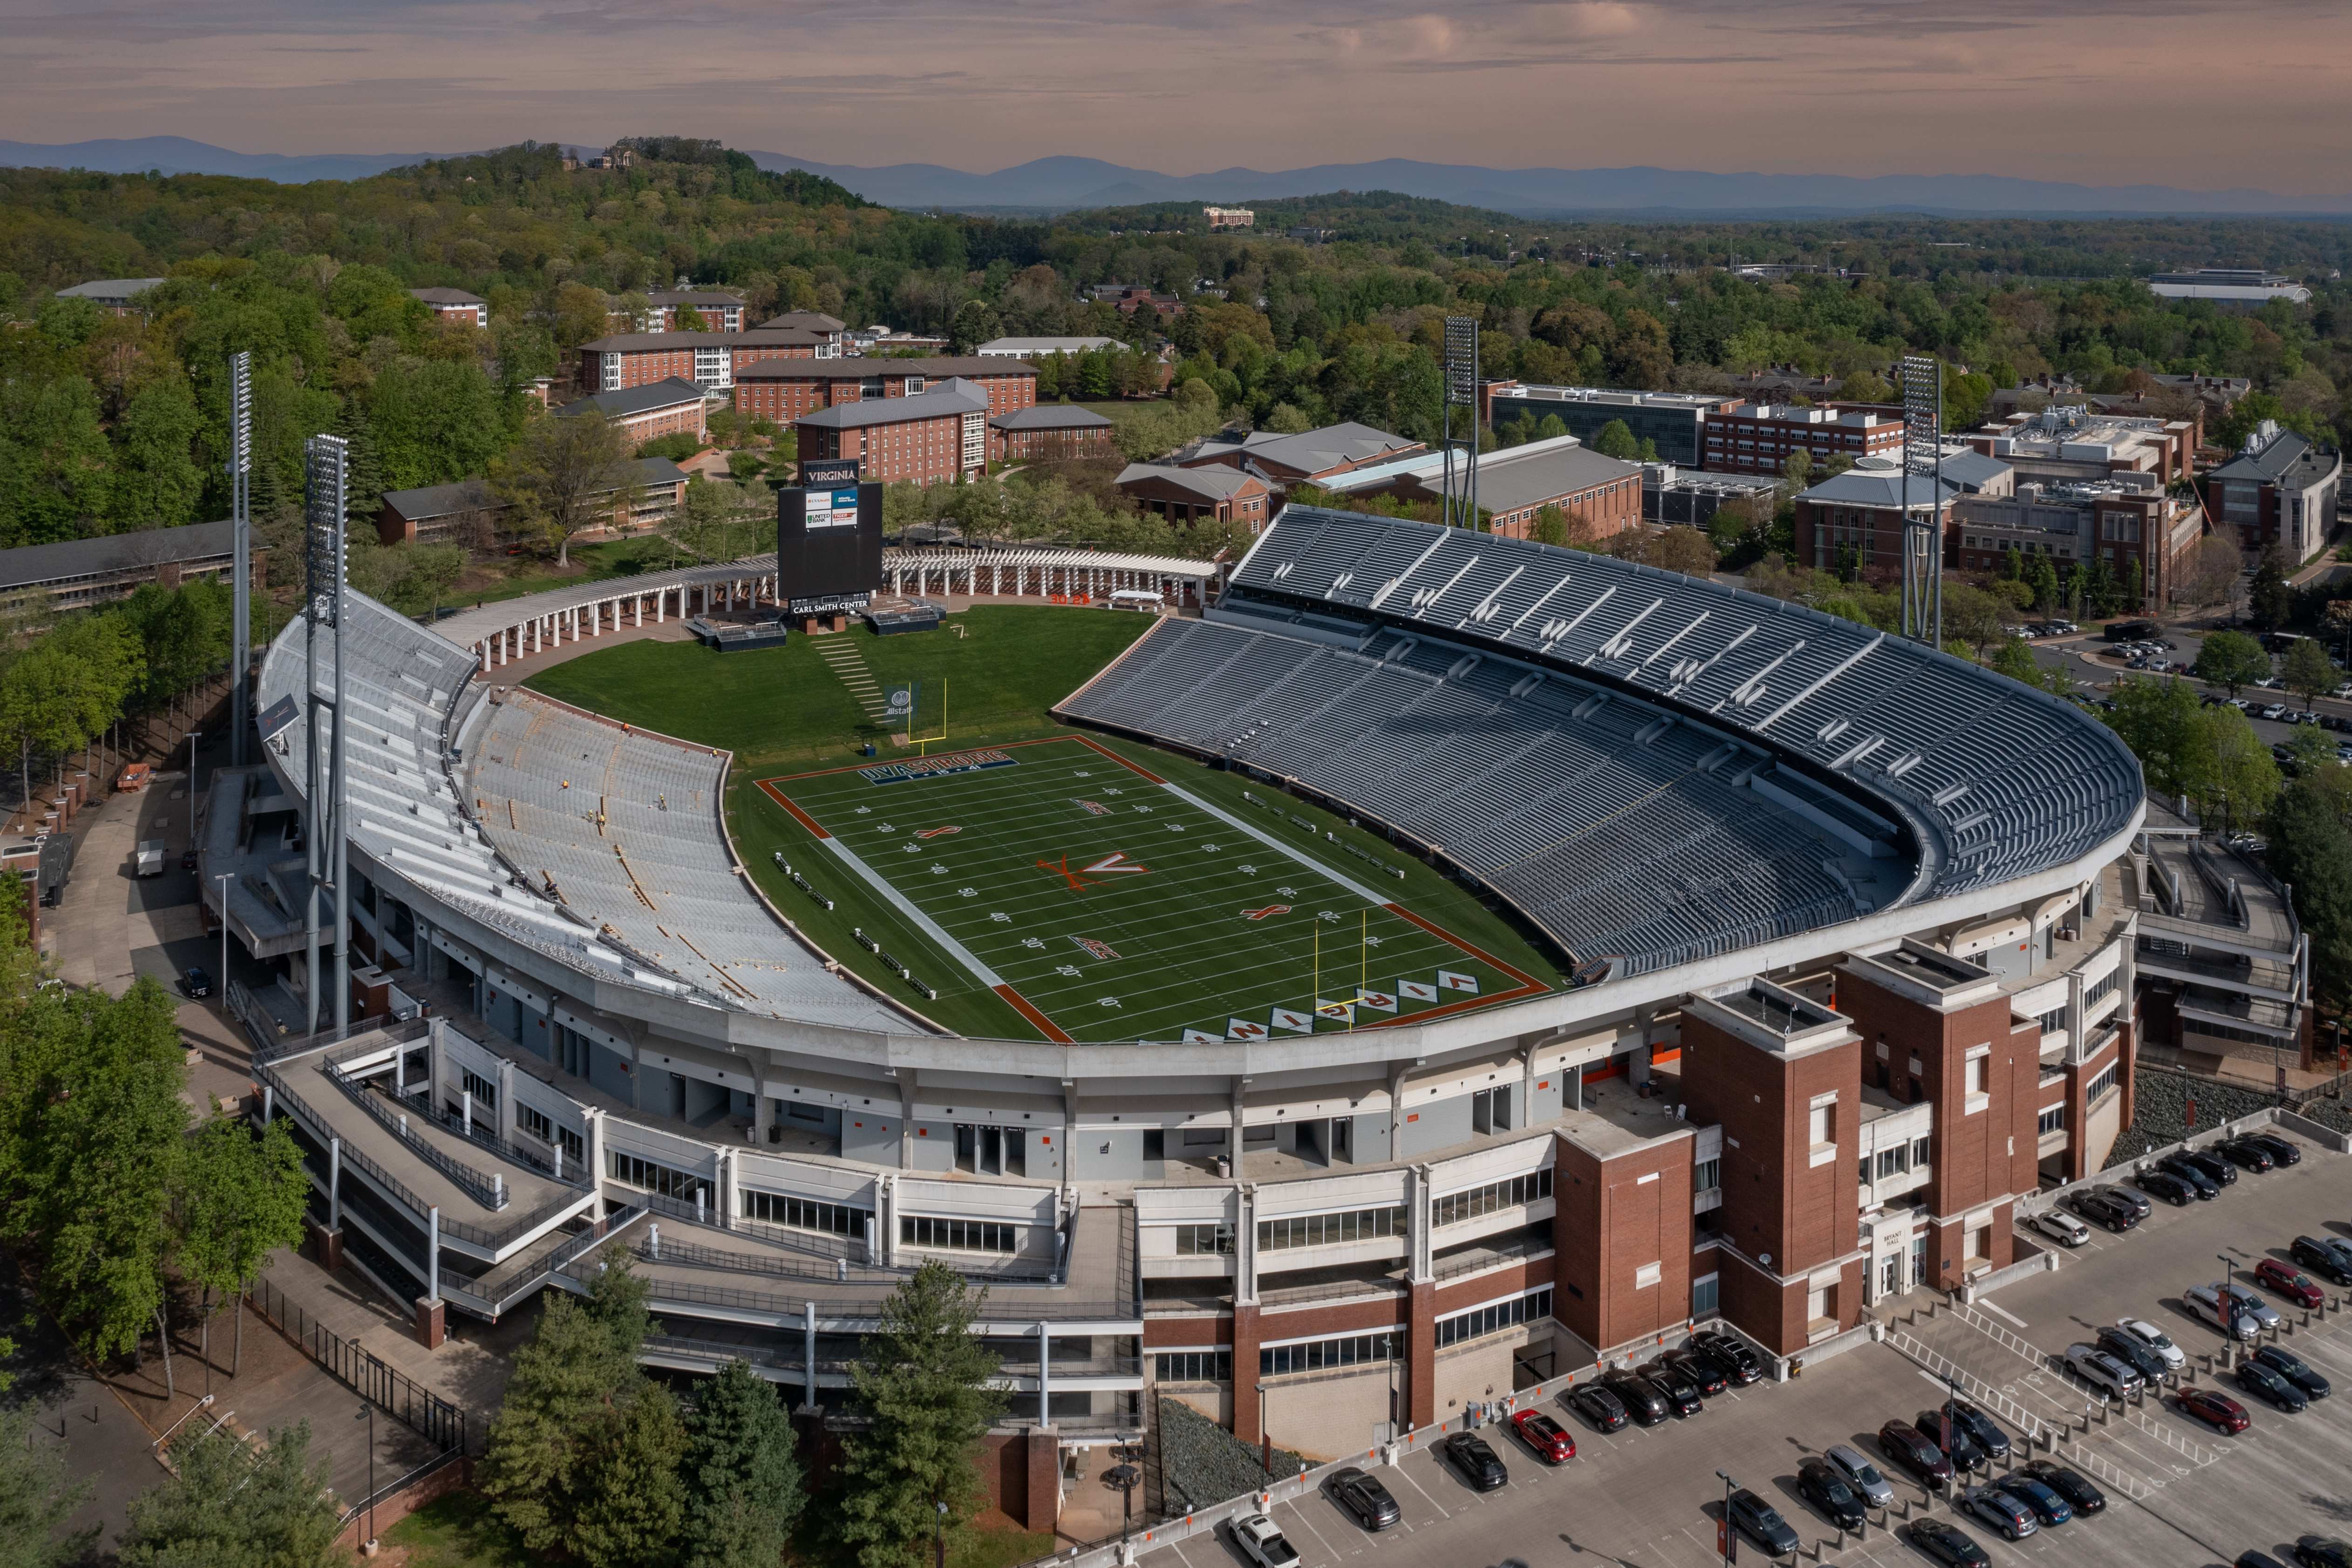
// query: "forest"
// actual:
[[111, 423]]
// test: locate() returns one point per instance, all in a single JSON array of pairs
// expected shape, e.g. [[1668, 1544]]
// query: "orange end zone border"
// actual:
[[1022, 1005]]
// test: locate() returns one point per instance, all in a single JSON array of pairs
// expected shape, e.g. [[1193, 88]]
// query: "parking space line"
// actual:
[[1308, 1525], [1178, 1548], [1988, 1304], [1416, 1486]]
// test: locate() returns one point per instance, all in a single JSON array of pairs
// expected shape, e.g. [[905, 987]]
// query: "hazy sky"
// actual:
[[2184, 92]]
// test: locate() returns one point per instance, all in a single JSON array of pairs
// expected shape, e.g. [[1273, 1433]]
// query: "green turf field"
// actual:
[[1102, 902]]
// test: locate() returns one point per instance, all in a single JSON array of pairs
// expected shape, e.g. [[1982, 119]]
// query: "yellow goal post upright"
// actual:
[[923, 742]]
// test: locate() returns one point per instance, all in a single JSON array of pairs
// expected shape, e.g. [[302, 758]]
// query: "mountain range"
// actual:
[[1065, 183]]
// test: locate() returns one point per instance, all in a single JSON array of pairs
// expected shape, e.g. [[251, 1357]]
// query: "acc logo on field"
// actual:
[[1262, 913], [937, 832], [1099, 950]]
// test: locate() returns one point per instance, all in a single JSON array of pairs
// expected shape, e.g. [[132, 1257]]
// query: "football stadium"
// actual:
[[1414, 963]]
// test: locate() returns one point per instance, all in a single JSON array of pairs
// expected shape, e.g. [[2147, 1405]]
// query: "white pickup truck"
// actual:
[[149, 858]]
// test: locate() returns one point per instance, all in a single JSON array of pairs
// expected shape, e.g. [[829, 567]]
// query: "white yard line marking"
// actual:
[[1996, 1309]]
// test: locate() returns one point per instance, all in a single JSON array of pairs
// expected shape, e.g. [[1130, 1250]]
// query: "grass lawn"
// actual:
[[590, 562], [1109, 954]]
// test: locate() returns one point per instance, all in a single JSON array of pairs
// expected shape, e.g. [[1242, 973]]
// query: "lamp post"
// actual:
[[939, 1535], [223, 878], [1724, 1542], [367, 1413], [1124, 1478], [192, 788]]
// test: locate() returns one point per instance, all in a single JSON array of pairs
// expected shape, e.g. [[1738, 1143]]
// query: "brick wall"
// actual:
[[1610, 1218]]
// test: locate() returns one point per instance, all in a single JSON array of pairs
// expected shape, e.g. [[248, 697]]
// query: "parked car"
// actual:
[[2323, 1551], [2156, 1340], [1642, 1398], [2281, 1152], [2217, 1169], [2295, 1370], [2291, 1283], [2218, 1411], [2187, 1170], [194, 982], [2206, 1303], [2266, 1385], [2257, 1560], [1738, 1354], [1980, 1428], [2003, 1512], [1967, 1453], [2095, 1204], [2067, 1482], [2252, 1304], [188, 858], [1367, 1501], [1910, 1449], [2245, 1153], [1761, 1522], [1478, 1465], [2323, 1255], [2101, 1371], [1680, 1387], [1949, 1544], [1711, 1375], [1598, 1406], [2273, 710], [1546, 1437], [2178, 1191], [2138, 1203], [1819, 1483], [2061, 1226], [1262, 1541], [1855, 1470], [2127, 1349]]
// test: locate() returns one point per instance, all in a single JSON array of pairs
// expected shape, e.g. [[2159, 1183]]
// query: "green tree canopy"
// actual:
[[742, 1479], [2232, 659], [228, 1505], [1616, 440], [2308, 672]]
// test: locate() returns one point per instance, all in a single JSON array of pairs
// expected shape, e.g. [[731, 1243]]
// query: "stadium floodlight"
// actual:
[[1460, 508], [326, 468], [1923, 457], [240, 475]]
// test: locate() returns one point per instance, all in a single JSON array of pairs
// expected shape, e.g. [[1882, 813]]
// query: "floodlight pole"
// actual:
[[240, 471], [1923, 543], [325, 482], [1459, 507]]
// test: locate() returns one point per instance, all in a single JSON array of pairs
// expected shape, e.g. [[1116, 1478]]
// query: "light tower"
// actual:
[[1461, 503], [325, 460], [1923, 456], [240, 476]]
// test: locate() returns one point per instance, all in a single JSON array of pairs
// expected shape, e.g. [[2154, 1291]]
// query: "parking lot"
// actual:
[[2177, 1492]]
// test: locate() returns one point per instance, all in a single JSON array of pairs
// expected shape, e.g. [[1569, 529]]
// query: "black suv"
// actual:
[[1744, 1364], [1982, 1428], [2176, 1189], [1967, 1453], [2193, 1172], [1599, 1405], [1711, 1375], [1642, 1398], [1826, 1490], [2110, 1212], [1761, 1522], [1680, 1387], [2323, 1255], [1478, 1464], [2213, 1165], [2245, 1153], [2134, 1353]]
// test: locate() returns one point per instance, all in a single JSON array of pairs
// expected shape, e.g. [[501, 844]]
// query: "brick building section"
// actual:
[[1982, 1154], [784, 390], [938, 434], [1612, 1217], [1790, 1204], [632, 359]]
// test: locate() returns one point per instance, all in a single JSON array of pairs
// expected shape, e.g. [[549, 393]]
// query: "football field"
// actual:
[[1104, 903]]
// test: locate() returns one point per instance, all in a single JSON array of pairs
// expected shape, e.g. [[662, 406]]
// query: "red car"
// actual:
[[2290, 1282], [1546, 1437], [2218, 1411]]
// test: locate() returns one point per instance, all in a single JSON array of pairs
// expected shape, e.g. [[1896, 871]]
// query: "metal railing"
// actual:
[[394, 1393], [484, 1190], [833, 1308]]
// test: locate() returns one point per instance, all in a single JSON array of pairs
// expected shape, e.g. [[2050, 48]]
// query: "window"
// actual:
[[1328, 1229], [1978, 1080], [1822, 1129], [1706, 1296], [1496, 1316], [1707, 1174], [2053, 1021], [1919, 1259], [2053, 1120], [485, 1092], [1193, 1367], [959, 1234], [1894, 1161], [1204, 1241], [1315, 1354], [535, 1122], [805, 1213], [1918, 1152], [2103, 988], [2101, 1084], [665, 1180], [1980, 1243], [1456, 1207]]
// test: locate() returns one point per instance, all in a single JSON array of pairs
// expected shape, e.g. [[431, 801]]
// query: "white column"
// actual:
[[482, 649], [433, 1253], [334, 1184]]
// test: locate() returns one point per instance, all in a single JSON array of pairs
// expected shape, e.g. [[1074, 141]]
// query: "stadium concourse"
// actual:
[[1840, 931]]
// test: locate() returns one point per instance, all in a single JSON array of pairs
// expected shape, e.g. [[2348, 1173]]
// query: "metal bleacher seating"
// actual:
[[1578, 732]]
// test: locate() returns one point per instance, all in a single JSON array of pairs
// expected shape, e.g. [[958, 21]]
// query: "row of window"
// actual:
[[547, 1130], [1352, 1350], [1193, 1367], [485, 1092], [959, 1234], [1894, 1161], [805, 1213], [1456, 1207], [2053, 1120], [664, 1180], [1330, 1229], [1533, 1307], [2103, 1083]]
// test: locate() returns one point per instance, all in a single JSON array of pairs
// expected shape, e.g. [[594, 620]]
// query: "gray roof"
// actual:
[[1216, 484], [665, 394], [1972, 470], [37, 564], [757, 338], [1509, 481], [693, 296], [431, 501], [1313, 451], [933, 367], [2268, 463], [804, 321], [1000, 348], [1876, 488], [1051, 416], [110, 290], [954, 395], [446, 297]]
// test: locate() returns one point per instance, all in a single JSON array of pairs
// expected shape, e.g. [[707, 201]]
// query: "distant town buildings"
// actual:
[[720, 312], [1675, 423], [710, 360], [1049, 431], [1036, 348], [1314, 456], [1685, 497], [1189, 495], [1129, 297], [2143, 536], [784, 390], [455, 305], [2230, 286], [1229, 218], [1516, 482], [1760, 437], [114, 295], [2075, 444], [469, 513]]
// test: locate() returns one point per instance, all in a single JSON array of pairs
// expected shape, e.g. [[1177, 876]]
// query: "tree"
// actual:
[[2309, 672], [2042, 576], [1616, 440], [1798, 471], [923, 1382], [1683, 549], [36, 1498], [687, 318], [155, 480], [228, 1505], [1865, 386], [975, 322], [2210, 576], [742, 1477], [1288, 419], [240, 1198], [2310, 850], [1973, 616], [568, 474], [2014, 658], [2270, 601], [2231, 659], [571, 1430]]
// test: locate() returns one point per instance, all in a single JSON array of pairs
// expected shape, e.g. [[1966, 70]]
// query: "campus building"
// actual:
[[650, 408], [1760, 437], [710, 360], [935, 434], [469, 513], [76, 574], [1055, 431], [784, 390], [2280, 489], [1516, 482], [1675, 423], [455, 305]]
